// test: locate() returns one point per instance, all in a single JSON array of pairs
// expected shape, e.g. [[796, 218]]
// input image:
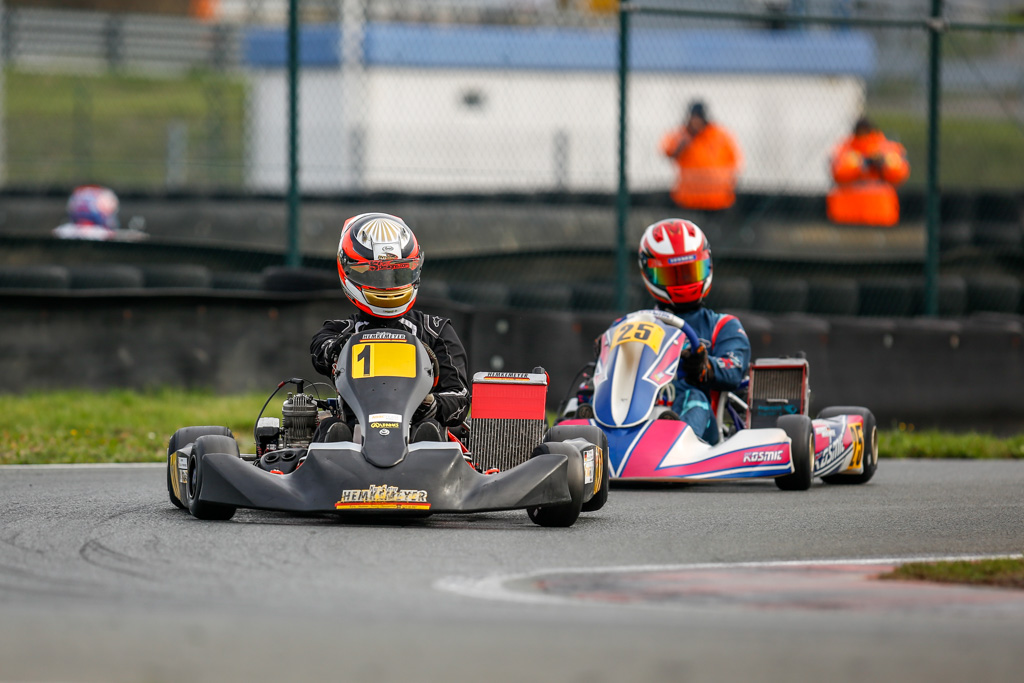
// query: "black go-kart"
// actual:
[[511, 461]]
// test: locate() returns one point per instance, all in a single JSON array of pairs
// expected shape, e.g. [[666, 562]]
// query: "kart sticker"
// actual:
[[383, 358], [382, 497], [650, 334], [589, 463]]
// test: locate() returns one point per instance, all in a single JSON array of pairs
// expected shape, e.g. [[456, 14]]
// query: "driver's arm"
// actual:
[[327, 344], [452, 391], [730, 358]]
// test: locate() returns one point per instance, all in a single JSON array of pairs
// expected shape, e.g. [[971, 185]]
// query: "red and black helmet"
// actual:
[[379, 262], [675, 262]]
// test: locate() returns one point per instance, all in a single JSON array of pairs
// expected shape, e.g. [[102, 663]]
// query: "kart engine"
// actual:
[[299, 418]]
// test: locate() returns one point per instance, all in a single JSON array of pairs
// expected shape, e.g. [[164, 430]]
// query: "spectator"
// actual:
[[866, 168], [708, 160]]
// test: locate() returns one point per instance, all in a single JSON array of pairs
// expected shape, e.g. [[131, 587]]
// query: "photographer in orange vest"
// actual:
[[867, 167], [708, 160]]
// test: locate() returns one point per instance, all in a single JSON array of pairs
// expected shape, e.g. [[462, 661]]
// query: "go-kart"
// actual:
[[382, 377], [627, 392]]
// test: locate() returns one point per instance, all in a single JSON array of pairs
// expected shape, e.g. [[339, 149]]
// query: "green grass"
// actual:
[[129, 426], [116, 426], [113, 128], [1004, 573], [974, 153]]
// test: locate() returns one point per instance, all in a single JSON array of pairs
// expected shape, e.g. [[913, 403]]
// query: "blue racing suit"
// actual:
[[729, 352]]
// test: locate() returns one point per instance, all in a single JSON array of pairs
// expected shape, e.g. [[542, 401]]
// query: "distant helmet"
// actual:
[[675, 262], [93, 205], [379, 262]]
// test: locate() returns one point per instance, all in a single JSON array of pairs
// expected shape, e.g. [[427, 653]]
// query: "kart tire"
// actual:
[[562, 514], [596, 436], [203, 445], [182, 438], [870, 445], [801, 434]]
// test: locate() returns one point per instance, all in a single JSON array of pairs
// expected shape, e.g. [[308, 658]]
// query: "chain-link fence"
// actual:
[[492, 126]]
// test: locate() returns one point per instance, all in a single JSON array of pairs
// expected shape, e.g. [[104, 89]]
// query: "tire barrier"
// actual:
[[994, 293], [107, 276], [886, 297], [284, 279], [781, 296], [34, 277], [177, 276], [838, 296], [732, 293]]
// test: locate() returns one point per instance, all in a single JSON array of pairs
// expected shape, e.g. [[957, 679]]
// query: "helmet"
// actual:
[[675, 262], [93, 205], [379, 262]]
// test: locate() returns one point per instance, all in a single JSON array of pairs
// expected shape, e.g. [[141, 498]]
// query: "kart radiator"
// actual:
[[778, 386], [509, 417]]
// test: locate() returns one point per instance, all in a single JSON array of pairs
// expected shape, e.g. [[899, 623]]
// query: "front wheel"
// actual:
[[201, 509], [801, 435], [870, 445], [562, 514], [602, 464], [180, 439]]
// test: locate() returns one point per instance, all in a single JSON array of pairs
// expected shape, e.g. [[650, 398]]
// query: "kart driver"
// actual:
[[675, 263], [385, 299]]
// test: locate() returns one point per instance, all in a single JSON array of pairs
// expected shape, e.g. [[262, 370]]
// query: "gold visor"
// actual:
[[388, 298]]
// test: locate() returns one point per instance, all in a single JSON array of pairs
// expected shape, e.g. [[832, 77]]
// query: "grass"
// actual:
[[974, 153], [129, 426], [115, 426], [113, 128], [1003, 573]]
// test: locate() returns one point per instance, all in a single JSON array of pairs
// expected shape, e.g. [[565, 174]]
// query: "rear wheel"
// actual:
[[203, 445], [801, 435], [596, 436], [870, 445], [562, 514], [179, 439]]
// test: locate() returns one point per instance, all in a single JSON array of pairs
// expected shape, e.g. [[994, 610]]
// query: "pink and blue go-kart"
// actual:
[[766, 433]]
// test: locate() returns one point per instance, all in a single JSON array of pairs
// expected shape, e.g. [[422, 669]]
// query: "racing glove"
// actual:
[[427, 409], [697, 366]]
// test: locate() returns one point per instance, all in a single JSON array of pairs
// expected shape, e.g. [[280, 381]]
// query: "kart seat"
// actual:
[[339, 431]]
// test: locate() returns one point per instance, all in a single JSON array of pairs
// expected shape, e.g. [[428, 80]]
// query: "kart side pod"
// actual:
[[508, 417]]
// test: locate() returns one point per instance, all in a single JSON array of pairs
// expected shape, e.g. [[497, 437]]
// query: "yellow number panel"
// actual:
[[383, 359]]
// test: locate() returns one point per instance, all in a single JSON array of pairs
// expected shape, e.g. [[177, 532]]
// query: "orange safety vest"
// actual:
[[867, 168], [707, 164]]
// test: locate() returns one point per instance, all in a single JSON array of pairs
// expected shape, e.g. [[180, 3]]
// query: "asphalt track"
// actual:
[[102, 580]]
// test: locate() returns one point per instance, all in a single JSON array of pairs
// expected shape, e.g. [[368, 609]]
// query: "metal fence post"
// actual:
[[293, 258], [931, 263], [622, 201]]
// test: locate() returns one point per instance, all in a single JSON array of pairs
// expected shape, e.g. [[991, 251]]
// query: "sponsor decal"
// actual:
[[383, 497], [382, 335], [385, 425], [681, 259], [507, 375], [182, 462], [589, 463], [384, 432], [763, 456], [827, 457], [182, 477], [385, 417]]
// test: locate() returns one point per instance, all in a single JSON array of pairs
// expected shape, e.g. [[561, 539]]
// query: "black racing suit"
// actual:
[[451, 394]]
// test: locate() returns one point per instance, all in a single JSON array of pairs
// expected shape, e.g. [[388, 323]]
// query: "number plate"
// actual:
[[383, 359], [645, 333]]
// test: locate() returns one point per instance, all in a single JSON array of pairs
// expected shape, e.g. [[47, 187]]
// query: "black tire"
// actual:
[[184, 437], [177, 276], [285, 279], [781, 296], [563, 514], [236, 280], [733, 293], [34, 277], [109, 276], [203, 445], [833, 296], [870, 445], [597, 437], [801, 433]]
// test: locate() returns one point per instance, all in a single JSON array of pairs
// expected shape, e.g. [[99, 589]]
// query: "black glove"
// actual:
[[697, 366], [334, 350], [426, 410]]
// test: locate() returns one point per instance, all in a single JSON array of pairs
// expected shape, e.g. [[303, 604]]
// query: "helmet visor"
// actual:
[[384, 273], [691, 272]]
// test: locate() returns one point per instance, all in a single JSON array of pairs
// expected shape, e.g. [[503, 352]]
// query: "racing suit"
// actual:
[[451, 394], [729, 354]]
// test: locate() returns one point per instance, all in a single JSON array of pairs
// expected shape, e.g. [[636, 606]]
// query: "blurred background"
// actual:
[[493, 128]]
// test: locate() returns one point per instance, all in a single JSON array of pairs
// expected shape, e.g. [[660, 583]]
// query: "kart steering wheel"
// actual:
[[691, 334]]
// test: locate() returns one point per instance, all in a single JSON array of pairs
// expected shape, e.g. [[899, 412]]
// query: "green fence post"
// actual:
[[622, 200], [932, 218], [293, 258]]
